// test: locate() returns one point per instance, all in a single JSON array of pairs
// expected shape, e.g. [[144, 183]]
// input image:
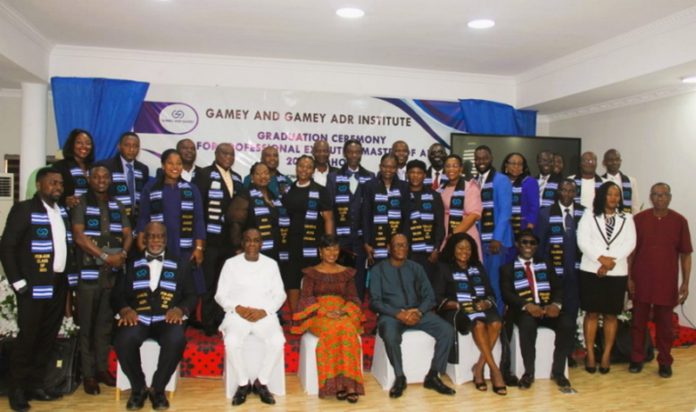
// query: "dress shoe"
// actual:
[[241, 394], [635, 367], [43, 395], [159, 400], [18, 400], [510, 379], [106, 378], [263, 392], [137, 399], [432, 381], [91, 386], [590, 369], [603, 370], [665, 371], [526, 381], [398, 387], [561, 381]]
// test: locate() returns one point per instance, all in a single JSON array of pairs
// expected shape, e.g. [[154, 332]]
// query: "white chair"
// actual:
[[307, 369], [254, 354], [544, 353], [417, 349], [468, 355], [149, 354]]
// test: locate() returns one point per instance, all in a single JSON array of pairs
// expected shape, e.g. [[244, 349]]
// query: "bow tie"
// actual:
[[159, 257]]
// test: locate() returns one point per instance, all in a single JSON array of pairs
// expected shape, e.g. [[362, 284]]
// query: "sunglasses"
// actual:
[[528, 242]]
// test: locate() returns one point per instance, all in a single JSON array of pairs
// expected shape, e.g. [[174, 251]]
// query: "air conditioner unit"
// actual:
[[6, 197]]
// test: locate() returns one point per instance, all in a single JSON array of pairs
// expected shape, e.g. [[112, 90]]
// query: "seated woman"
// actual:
[[466, 300], [330, 309]]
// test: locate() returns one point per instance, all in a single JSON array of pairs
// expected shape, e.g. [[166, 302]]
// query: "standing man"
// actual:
[[401, 151], [217, 186], [663, 243], [152, 300], [322, 166], [279, 184], [344, 191], [588, 181], [250, 292], [435, 176], [187, 150], [548, 180], [401, 294], [102, 232], [36, 254], [629, 187], [128, 175], [558, 164], [494, 226]]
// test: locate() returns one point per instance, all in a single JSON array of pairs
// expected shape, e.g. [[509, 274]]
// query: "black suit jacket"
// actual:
[[184, 298], [116, 166], [510, 296], [64, 166], [203, 181], [367, 194]]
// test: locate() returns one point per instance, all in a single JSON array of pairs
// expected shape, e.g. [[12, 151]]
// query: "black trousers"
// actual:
[[172, 342], [96, 325], [213, 259], [563, 325], [391, 331], [39, 321]]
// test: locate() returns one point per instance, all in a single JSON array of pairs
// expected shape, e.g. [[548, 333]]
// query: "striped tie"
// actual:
[[609, 222]]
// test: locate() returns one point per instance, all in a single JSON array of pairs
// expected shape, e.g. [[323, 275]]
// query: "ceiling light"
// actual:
[[481, 24], [350, 13], [689, 79]]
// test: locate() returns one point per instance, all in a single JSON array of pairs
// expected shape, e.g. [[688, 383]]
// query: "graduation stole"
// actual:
[[79, 179], [42, 249], [214, 207], [164, 292], [523, 288], [516, 217], [309, 240], [456, 206], [548, 195], [469, 280], [578, 184], [263, 220], [186, 222], [556, 248], [386, 212], [342, 208], [422, 221], [487, 216], [119, 183], [94, 228], [428, 181], [626, 192]]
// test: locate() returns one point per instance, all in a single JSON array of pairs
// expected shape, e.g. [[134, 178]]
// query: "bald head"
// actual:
[[612, 161], [321, 153], [269, 157]]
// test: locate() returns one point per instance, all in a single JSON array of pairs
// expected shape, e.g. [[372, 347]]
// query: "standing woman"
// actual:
[[330, 309], [525, 196], [462, 201], [176, 203], [606, 237], [467, 301], [78, 156], [309, 209]]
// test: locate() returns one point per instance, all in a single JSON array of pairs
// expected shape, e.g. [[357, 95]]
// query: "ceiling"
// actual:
[[404, 33]]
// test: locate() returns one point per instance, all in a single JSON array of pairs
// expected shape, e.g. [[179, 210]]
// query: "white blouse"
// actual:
[[593, 242]]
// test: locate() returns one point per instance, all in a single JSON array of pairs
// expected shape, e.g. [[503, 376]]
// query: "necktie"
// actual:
[[436, 181], [609, 222], [568, 221], [159, 257], [530, 277], [130, 177]]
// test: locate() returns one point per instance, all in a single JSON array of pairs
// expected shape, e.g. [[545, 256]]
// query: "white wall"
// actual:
[[657, 141]]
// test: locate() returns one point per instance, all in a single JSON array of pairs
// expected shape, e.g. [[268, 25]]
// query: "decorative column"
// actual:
[[33, 144]]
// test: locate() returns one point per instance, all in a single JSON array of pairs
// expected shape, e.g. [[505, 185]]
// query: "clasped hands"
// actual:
[[607, 263], [250, 314], [549, 311], [335, 314], [129, 317], [409, 317]]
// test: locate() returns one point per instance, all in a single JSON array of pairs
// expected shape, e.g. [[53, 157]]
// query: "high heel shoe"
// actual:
[[604, 370], [590, 369], [480, 385], [500, 390]]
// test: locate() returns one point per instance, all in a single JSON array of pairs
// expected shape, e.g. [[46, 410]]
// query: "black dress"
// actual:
[[296, 202]]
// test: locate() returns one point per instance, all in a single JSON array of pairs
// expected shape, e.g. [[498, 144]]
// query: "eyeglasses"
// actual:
[[528, 242]]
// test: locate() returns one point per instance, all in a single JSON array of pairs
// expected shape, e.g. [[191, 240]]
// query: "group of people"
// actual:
[[439, 248]]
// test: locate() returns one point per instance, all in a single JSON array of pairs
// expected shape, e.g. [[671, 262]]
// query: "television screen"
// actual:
[[569, 147]]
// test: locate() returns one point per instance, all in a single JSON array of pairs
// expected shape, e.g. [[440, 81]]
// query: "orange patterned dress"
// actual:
[[339, 351]]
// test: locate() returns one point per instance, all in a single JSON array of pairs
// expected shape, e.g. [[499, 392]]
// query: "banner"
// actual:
[[251, 119]]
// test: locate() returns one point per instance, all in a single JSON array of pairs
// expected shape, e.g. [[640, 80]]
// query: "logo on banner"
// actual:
[[178, 118]]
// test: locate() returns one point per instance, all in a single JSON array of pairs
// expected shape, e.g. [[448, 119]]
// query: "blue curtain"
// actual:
[[104, 107]]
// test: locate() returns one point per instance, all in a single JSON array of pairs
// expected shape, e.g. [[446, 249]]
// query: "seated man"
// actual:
[[534, 294], [152, 300], [401, 294], [250, 291]]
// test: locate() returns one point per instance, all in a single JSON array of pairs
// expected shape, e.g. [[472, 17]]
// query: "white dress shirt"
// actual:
[[636, 203], [155, 271], [58, 232], [401, 172], [592, 242], [571, 210], [533, 286], [253, 284], [320, 177]]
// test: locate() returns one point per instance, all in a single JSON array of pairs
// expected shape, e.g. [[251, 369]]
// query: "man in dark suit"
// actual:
[[128, 175], [152, 300], [36, 254], [435, 175], [217, 186], [534, 296], [187, 150], [547, 179]]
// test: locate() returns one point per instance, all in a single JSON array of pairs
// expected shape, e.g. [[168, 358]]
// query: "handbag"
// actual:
[[62, 372]]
